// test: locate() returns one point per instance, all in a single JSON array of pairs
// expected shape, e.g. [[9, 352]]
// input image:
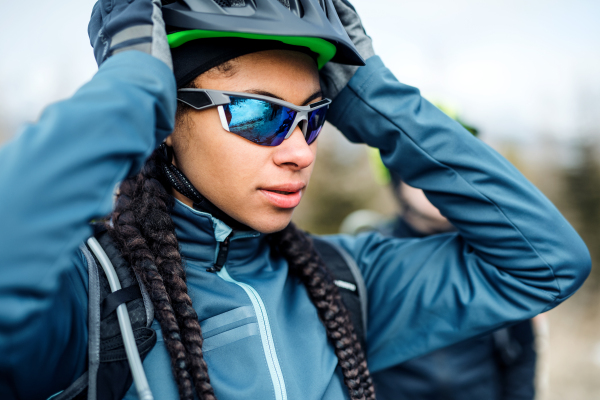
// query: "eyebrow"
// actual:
[[310, 98]]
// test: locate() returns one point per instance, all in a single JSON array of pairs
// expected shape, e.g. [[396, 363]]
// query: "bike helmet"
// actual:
[[312, 24]]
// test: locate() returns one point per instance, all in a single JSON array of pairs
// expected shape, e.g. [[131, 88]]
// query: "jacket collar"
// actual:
[[199, 232]]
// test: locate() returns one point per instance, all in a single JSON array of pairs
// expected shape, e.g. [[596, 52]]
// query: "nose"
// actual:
[[294, 152]]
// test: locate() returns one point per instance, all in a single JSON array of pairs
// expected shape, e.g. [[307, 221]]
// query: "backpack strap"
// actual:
[[93, 322], [112, 348], [84, 387], [349, 280], [143, 305], [109, 376]]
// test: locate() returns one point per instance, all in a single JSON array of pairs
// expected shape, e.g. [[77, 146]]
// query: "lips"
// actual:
[[284, 196]]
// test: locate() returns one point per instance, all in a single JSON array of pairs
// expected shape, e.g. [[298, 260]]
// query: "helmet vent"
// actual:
[[230, 3], [322, 4], [294, 6]]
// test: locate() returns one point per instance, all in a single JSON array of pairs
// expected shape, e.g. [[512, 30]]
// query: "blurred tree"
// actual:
[[3, 134], [4, 131]]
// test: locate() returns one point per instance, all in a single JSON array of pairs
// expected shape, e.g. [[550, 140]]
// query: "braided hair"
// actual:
[[145, 233]]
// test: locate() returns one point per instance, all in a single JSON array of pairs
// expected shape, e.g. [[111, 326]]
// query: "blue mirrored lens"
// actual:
[[316, 119], [259, 121]]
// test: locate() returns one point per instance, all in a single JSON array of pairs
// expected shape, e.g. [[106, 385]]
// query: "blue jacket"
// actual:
[[513, 256]]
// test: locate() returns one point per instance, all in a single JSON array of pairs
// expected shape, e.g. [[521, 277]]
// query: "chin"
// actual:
[[271, 223]]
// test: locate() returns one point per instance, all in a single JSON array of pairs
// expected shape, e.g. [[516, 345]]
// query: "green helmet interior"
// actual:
[[324, 49]]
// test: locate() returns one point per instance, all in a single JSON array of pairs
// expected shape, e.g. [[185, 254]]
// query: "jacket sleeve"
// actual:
[[514, 254], [57, 175]]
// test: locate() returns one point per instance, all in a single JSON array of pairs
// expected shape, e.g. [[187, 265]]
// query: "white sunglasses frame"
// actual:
[[219, 98]]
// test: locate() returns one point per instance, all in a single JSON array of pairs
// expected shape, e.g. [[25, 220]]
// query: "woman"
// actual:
[[205, 224]]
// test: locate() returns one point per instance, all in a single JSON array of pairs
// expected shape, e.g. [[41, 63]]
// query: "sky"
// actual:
[[516, 70]]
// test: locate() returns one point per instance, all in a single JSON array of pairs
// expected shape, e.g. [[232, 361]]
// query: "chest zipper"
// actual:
[[221, 255], [261, 315]]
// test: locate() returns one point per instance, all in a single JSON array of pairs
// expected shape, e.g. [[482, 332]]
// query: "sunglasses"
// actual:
[[264, 120]]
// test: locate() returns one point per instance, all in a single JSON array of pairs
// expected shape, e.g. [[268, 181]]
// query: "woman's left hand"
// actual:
[[334, 76]]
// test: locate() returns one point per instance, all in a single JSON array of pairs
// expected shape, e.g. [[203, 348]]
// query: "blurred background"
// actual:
[[526, 74]]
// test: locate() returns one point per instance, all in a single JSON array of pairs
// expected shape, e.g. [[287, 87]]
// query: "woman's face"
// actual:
[[257, 185]]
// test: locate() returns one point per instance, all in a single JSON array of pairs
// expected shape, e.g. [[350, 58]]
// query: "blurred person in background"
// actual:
[[499, 366]]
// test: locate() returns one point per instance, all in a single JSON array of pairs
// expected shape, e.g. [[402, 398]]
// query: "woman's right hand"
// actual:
[[121, 25]]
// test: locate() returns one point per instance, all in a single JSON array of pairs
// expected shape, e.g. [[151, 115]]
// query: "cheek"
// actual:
[[238, 169], [221, 165], [238, 164]]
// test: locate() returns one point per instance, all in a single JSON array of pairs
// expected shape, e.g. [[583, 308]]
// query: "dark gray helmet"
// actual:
[[308, 23]]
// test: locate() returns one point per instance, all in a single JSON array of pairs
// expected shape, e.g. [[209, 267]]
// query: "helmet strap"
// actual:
[[181, 183]]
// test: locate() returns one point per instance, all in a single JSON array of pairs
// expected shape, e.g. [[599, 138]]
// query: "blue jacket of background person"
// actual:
[[513, 257], [500, 366]]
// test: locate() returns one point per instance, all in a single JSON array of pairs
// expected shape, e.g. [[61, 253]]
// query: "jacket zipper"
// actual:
[[221, 255], [260, 310]]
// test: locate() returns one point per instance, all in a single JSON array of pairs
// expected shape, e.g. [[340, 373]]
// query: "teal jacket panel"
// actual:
[[55, 177]]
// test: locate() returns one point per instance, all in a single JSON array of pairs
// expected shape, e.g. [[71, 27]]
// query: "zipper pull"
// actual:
[[221, 256]]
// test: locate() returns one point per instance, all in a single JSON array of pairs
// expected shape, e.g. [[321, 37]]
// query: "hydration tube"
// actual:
[[133, 356]]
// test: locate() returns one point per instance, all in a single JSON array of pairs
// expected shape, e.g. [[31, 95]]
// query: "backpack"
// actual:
[[109, 375]]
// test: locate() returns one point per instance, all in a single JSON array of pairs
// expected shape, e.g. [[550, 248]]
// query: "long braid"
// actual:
[[145, 233], [169, 263], [303, 261]]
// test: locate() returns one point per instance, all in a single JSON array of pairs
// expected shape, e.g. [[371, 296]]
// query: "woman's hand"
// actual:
[[121, 25], [334, 76]]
